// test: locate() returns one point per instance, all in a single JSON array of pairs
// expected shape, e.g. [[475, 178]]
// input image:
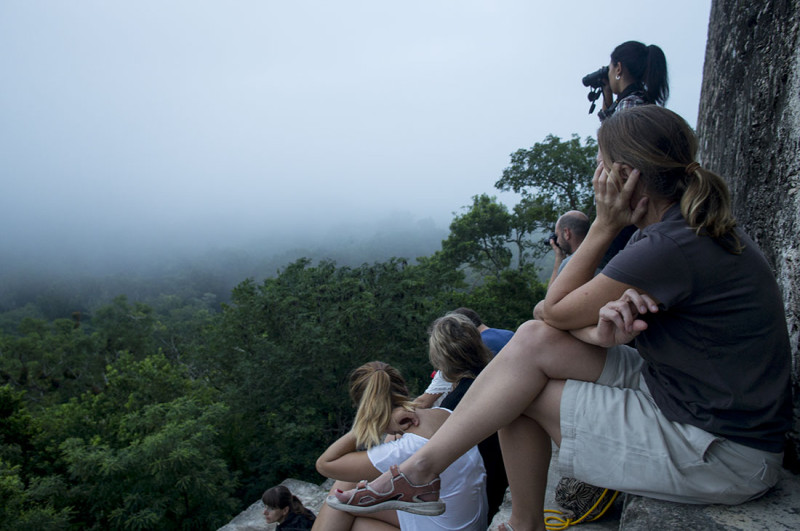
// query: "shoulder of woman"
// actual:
[[429, 421]]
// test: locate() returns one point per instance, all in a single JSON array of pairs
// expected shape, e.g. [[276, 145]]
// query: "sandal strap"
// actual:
[[400, 489]]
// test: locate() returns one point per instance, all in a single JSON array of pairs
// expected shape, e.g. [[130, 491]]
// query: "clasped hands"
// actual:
[[619, 322]]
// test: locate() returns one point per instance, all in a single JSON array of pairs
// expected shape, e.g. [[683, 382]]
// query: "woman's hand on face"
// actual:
[[618, 321], [613, 191]]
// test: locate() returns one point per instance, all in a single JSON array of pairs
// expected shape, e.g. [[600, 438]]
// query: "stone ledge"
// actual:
[[778, 509]]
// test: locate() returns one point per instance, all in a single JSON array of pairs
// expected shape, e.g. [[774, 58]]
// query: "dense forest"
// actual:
[[173, 403]]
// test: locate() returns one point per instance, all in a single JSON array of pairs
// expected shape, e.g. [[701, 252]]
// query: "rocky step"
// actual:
[[779, 509]]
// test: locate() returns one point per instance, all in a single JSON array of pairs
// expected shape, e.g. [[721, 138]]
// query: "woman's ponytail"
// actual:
[[706, 207], [648, 66], [376, 388], [297, 507], [656, 80]]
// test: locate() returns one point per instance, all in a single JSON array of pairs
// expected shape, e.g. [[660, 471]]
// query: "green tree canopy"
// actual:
[[480, 236], [553, 176]]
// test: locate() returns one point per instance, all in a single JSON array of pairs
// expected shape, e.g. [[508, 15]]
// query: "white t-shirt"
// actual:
[[463, 487]]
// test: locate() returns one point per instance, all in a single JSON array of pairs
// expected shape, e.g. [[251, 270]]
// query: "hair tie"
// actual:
[[692, 167]]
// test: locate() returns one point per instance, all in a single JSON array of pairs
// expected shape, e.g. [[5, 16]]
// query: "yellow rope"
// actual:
[[556, 523]]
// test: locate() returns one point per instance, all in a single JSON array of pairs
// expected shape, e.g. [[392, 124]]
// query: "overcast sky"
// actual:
[[138, 123]]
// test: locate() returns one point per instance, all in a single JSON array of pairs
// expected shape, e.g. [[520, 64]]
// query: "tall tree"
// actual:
[[480, 236], [553, 176]]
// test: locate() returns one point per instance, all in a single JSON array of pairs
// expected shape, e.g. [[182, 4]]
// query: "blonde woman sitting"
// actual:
[[382, 397]]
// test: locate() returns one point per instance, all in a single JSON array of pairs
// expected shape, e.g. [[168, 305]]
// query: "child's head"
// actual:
[[456, 348], [377, 389], [279, 502]]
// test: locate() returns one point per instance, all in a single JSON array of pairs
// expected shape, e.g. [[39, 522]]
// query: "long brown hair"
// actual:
[[662, 146], [377, 388]]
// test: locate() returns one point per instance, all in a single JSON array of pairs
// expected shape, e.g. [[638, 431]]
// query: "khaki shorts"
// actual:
[[613, 435]]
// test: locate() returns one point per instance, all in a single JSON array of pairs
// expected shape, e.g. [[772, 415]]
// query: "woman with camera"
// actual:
[[637, 75]]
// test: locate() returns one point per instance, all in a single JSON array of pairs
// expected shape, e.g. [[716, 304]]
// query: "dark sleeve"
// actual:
[[656, 265], [616, 246]]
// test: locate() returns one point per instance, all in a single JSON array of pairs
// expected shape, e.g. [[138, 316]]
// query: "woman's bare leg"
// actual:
[[504, 390], [374, 523], [530, 447], [330, 519], [527, 447]]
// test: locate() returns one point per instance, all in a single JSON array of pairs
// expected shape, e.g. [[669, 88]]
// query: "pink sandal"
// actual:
[[402, 496]]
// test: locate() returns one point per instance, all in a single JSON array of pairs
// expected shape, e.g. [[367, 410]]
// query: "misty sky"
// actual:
[[134, 124]]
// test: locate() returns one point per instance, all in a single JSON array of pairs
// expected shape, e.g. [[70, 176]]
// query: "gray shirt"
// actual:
[[717, 353]]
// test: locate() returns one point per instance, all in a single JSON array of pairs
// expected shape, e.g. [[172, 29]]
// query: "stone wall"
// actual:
[[749, 128]]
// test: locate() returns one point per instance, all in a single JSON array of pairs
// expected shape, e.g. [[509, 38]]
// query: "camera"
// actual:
[[596, 79], [553, 237]]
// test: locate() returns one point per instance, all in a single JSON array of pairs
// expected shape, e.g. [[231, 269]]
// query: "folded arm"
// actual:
[[344, 462], [618, 321]]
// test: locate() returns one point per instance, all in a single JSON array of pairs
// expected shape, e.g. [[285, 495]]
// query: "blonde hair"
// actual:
[[456, 348], [376, 388], [662, 146]]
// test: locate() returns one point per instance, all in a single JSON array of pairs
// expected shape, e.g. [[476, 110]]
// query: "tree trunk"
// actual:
[[749, 129]]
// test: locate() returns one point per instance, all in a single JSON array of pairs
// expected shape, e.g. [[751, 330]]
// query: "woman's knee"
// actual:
[[538, 338], [551, 349], [535, 331]]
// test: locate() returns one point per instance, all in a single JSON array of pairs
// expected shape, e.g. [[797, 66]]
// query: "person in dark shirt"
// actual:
[[285, 509]]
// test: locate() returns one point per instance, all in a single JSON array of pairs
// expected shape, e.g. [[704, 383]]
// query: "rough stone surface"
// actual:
[[778, 509], [749, 129]]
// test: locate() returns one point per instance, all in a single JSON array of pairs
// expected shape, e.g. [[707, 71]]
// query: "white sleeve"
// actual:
[[439, 385], [395, 452]]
